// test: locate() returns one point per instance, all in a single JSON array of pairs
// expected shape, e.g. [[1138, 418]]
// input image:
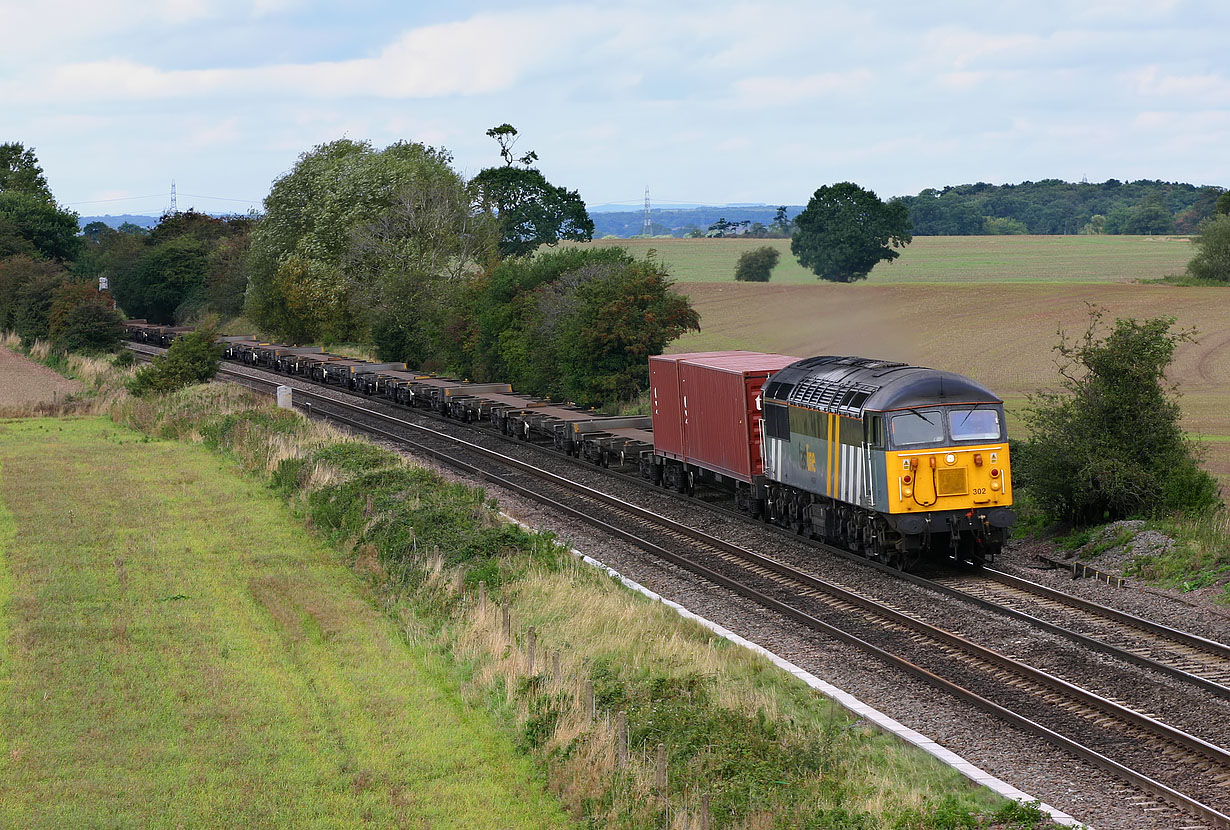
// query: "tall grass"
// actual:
[[1199, 559]]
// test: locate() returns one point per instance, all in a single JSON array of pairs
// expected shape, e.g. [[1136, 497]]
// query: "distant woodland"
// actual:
[[1049, 206]]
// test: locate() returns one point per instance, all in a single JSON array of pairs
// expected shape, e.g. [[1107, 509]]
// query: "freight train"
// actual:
[[895, 462]]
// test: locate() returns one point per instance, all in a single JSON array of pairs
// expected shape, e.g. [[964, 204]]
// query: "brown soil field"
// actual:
[[1002, 335], [24, 382]]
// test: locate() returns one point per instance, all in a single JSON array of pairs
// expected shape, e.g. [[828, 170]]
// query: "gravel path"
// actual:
[[24, 382]]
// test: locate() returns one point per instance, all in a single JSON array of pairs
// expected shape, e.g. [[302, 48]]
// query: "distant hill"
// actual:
[[678, 221], [115, 221]]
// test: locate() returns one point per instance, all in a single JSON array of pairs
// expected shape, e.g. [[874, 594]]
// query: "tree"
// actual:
[[530, 210], [32, 306], [20, 171], [995, 226], [781, 225], [15, 272], [82, 320], [1212, 262], [845, 230], [312, 215], [165, 277], [50, 231], [30, 220], [1223, 204], [408, 262], [1150, 218], [617, 321], [1110, 445], [757, 264], [574, 323]]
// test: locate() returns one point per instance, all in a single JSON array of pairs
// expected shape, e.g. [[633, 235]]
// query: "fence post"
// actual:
[[621, 739], [533, 640], [507, 624], [482, 597], [704, 811], [555, 675], [660, 771]]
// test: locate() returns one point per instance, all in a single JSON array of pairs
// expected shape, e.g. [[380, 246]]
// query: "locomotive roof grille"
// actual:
[[850, 385]]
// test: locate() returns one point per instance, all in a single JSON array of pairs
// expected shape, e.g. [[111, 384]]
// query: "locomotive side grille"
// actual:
[[951, 482]]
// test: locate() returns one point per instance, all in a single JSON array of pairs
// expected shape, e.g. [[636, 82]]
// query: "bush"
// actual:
[[757, 264], [1111, 446], [192, 358], [82, 320], [1212, 262]]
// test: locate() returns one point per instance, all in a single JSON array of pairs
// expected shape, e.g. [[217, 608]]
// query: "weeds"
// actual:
[[1200, 557]]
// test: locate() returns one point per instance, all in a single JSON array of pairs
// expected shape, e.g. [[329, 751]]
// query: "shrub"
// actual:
[[192, 358], [1212, 262], [757, 264], [1111, 447]]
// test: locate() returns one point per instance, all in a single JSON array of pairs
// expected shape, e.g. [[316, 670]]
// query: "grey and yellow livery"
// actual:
[[889, 459]]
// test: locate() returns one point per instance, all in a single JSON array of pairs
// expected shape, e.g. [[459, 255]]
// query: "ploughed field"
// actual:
[[987, 307]]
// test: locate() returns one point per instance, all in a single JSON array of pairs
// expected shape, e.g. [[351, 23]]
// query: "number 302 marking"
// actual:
[[980, 491]]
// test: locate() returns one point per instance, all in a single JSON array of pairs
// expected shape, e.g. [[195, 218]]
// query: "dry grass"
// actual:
[[589, 620]]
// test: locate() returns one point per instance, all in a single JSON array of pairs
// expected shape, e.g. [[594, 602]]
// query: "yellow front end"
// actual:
[[956, 478]]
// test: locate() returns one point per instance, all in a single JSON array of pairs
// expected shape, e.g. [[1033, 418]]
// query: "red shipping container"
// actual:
[[706, 408]]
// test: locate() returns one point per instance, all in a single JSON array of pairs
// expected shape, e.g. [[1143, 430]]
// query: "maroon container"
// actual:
[[706, 408]]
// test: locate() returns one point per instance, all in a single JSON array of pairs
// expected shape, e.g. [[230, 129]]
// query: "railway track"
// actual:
[[1166, 763]]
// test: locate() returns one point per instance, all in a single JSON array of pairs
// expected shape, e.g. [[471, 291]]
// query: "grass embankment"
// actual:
[[177, 650], [763, 749]]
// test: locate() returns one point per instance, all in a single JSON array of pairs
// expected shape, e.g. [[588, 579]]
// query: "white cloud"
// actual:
[[1209, 88], [780, 90], [485, 54]]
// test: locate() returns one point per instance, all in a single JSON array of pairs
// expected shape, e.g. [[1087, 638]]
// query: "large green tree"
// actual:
[[38, 224], [408, 265], [298, 286], [576, 324], [164, 278], [845, 231], [20, 171], [30, 220], [531, 211], [1110, 446]]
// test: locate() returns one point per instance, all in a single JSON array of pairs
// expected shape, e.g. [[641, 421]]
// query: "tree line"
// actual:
[[1052, 206], [390, 248]]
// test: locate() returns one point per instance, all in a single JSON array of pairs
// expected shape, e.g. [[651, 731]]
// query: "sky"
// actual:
[[714, 102]]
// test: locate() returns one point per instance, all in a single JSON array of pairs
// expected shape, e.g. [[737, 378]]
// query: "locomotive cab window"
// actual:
[[875, 431], [974, 424], [917, 427]]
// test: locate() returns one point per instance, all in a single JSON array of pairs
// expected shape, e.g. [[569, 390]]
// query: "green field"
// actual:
[[177, 651], [946, 259]]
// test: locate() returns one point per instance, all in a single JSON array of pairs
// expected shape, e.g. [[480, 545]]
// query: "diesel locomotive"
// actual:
[[893, 461]]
